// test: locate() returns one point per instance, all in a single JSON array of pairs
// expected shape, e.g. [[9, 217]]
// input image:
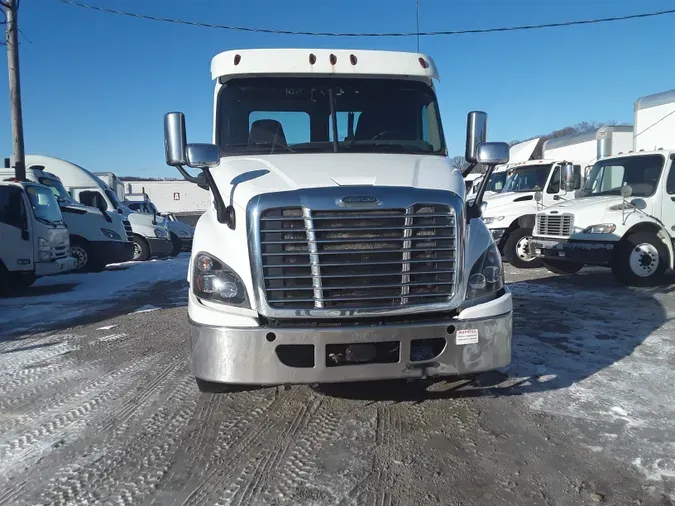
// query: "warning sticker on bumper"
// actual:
[[466, 336]]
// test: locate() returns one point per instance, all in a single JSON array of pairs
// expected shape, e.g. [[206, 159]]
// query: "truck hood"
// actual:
[[499, 200], [242, 178], [593, 210]]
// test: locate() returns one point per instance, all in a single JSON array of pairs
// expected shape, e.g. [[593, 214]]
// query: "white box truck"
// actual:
[[150, 237], [34, 236], [624, 217], [340, 245], [510, 214], [97, 237], [654, 122]]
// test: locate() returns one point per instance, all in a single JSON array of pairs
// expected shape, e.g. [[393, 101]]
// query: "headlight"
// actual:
[[487, 274], [159, 232], [111, 234], [493, 219], [44, 249], [602, 228], [213, 280]]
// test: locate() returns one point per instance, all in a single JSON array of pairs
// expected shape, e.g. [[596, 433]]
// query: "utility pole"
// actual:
[[12, 32]]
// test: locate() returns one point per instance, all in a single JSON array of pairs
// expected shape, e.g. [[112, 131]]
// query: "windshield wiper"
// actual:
[[399, 148], [46, 221], [260, 145]]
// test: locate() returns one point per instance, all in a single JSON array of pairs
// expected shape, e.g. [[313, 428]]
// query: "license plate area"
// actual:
[[384, 352]]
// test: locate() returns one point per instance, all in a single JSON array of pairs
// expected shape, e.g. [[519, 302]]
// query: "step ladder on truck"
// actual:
[[35, 240], [339, 245]]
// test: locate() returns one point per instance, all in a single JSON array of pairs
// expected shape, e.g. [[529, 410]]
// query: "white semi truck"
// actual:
[[34, 236], [150, 237], [624, 217], [337, 250], [97, 237], [510, 214]]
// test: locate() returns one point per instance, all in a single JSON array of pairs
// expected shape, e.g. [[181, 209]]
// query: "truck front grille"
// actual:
[[366, 259], [59, 252], [558, 225], [127, 229]]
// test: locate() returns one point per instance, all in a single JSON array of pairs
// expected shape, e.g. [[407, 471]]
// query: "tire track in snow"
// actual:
[[251, 483], [17, 359], [303, 459], [55, 421], [150, 456], [235, 443], [103, 439]]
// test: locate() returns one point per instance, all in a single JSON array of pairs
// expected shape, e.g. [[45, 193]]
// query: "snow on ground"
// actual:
[[606, 364], [63, 298]]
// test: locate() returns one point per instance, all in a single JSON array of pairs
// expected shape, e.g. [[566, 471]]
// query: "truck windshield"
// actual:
[[496, 182], [57, 188], [275, 115], [642, 173], [44, 204], [526, 178]]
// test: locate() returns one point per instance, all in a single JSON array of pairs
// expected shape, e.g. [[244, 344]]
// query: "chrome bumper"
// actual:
[[252, 356]]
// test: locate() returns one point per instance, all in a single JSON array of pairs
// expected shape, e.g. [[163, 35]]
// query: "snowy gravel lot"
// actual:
[[97, 406]]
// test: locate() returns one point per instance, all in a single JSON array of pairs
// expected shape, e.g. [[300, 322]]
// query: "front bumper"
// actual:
[[112, 252], [282, 355], [159, 247], [54, 267], [583, 252], [186, 243]]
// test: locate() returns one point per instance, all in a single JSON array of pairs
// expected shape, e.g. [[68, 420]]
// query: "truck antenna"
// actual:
[[417, 16]]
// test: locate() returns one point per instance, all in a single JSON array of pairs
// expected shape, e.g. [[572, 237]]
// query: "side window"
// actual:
[[12, 208], [577, 177], [279, 127], [670, 183], [93, 199], [554, 185]]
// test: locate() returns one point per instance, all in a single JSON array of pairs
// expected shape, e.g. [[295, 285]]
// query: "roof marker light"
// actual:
[[333, 59], [352, 59], [423, 63], [312, 59], [237, 59]]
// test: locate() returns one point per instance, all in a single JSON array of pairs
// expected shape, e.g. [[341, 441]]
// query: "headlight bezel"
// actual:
[[604, 228], [486, 276], [44, 250], [208, 266], [489, 220], [111, 234]]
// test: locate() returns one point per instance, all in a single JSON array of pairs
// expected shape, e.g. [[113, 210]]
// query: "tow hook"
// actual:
[[426, 368]]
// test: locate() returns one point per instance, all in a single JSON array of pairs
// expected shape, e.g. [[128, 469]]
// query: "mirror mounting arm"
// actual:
[[187, 176], [224, 214], [474, 210], [468, 170]]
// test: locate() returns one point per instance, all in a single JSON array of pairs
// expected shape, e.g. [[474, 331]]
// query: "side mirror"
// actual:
[[626, 191], [538, 196], [175, 139], [202, 155], [568, 179], [476, 133], [492, 153]]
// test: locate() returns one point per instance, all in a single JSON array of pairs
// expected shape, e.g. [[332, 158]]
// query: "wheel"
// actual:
[[141, 249], [209, 387], [175, 241], [81, 254], [517, 249], [639, 259], [562, 267]]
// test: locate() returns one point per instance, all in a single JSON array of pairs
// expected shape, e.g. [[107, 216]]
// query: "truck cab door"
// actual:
[[554, 193], [90, 197], [16, 248], [668, 201]]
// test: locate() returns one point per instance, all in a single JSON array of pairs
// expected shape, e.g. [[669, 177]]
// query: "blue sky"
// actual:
[[95, 86]]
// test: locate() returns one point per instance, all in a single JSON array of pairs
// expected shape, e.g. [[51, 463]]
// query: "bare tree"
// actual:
[[458, 162]]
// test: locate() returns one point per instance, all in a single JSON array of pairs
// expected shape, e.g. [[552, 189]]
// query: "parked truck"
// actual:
[[97, 238], [34, 236], [337, 248], [654, 121], [510, 214], [150, 237], [180, 233], [624, 217]]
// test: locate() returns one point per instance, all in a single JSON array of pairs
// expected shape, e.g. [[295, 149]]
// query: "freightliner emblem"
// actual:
[[358, 200]]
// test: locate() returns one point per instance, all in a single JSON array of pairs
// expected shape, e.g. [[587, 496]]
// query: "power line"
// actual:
[[382, 34]]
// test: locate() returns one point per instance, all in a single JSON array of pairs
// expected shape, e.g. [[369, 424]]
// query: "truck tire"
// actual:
[[640, 259], [141, 249], [175, 241], [80, 252], [516, 249], [209, 387], [562, 267]]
